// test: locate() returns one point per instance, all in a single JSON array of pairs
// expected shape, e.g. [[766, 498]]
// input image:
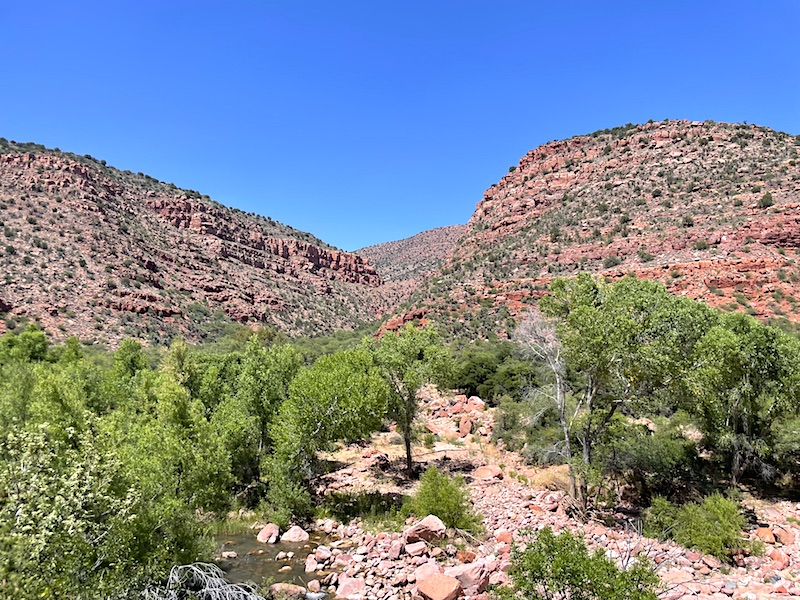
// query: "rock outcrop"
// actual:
[[711, 210], [104, 254]]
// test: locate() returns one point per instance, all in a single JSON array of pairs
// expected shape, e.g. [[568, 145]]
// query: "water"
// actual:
[[256, 562]]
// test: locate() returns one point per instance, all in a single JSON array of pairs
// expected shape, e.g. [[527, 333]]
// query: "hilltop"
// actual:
[[92, 251], [711, 210]]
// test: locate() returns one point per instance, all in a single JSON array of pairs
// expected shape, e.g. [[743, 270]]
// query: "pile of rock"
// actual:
[[458, 417]]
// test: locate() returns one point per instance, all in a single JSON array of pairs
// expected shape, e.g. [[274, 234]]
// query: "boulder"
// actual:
[[268, 534], [396, 549], [439, 587], [295, 534], [472, 576], [464, 427], [429, 529], [416, 548], [488, 472], [426, 569], [351, 588], [784, 535], [466, 556], [765, 535], [322, 553], [287, 590], [311, 563]]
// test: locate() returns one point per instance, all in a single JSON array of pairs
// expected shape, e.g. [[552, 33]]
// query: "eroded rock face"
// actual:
[[679, 202], [92, 246]]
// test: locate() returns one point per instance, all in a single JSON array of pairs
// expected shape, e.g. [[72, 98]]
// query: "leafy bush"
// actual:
[[713, 526], [765, 201], [445, 497], [611, 261], [559, 567]]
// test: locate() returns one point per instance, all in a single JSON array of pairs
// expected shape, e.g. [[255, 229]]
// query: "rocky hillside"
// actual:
[[413, 258], [404, 265], [711, 210], [92, 251]]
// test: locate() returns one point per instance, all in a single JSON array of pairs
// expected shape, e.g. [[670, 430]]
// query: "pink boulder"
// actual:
[[430, 528], [488, 472], [351, 588], [295, 534], [287, 590], [439, 587], [268, 534]]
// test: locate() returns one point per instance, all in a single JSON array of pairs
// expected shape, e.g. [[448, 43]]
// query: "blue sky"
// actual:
[[369, 121]]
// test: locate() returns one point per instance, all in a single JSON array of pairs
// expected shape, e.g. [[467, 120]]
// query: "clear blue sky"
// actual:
[[369, 121]]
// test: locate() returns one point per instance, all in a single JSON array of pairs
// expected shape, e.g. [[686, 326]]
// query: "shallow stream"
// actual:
[[256, 562]]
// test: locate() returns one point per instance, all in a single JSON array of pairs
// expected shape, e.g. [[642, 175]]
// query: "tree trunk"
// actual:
[[407, 441]]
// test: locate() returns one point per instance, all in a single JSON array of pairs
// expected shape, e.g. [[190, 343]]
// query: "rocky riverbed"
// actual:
[[425, 561]]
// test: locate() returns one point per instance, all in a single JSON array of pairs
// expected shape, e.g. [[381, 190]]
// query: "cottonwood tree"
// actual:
[[409, 359], [539, 340], [622, 343]]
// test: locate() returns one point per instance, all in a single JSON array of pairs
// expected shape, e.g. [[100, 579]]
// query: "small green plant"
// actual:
[[687, 221], [765, 201], [700, 245], [443, 496], [560, 566], [713, 526], [611, 261]]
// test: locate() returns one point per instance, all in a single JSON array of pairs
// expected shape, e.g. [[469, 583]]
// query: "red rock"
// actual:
[[426, 569], [503, 535], [472, 576], [765, 535], [439, 587], [466, 556], [268, 534], [784, 535], [464, 427], [780, 560], [314, 586], [287, 590], [428, 529], [295, 534], [396, 549], [488, 472], [351, 588], [416, 548]]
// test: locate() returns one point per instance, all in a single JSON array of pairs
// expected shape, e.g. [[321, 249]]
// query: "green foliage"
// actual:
[[443, 496], [560, 567], [410, 359], [490, 370], [71, 525], [713, 526], [343, 396], [663, 462], [765, 201]]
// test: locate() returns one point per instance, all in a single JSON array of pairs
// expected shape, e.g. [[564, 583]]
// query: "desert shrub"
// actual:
[[713, 526], [560, 567], [443, 496], [611, 261], [765, 201]]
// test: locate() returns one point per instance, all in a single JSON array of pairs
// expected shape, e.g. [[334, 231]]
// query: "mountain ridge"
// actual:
[[101, 253]]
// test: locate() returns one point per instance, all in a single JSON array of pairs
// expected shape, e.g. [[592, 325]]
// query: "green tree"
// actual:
[[341, 397], [744, 382], [410, 359]]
